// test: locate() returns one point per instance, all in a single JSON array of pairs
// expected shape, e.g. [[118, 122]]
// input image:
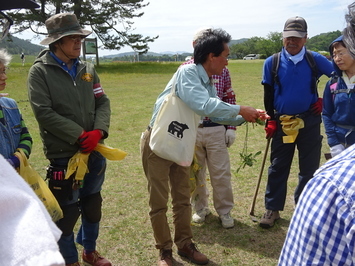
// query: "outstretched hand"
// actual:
[[263, 116], [250, 114]]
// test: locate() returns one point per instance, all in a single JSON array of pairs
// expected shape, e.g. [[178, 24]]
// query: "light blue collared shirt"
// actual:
[[195, 89]]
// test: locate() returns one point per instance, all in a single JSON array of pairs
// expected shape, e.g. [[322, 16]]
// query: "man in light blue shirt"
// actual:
[[195, 88]]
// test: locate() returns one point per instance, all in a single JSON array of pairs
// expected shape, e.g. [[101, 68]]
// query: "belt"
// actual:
[[301, 115], [208, 124]]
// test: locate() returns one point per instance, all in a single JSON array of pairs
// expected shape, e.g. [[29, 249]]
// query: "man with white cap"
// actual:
[[73, 113], [291, 100]]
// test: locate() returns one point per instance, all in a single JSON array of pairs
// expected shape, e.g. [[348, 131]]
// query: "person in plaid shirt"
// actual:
[[322, 229], [212, 143]]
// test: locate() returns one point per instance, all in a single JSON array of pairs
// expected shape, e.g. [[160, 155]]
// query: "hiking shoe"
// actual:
[[73, 264], [200, 216], [227, 220], [191, 252], [165, 257], [95, 259], [269, 218]]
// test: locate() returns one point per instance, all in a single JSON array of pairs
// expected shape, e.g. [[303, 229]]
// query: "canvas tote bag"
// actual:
[[174, 131]]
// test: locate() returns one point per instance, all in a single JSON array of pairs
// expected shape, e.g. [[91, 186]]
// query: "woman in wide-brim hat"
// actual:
[[61, 25], [73, 113]]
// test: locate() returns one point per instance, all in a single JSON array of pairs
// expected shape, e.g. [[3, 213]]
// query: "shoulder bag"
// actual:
[[174, 131]]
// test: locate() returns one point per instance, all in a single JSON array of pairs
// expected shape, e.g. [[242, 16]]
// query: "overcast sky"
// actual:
[[176, 21]]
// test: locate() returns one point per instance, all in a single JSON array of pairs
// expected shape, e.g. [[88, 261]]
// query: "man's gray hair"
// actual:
[[5, 57], [199, 33]]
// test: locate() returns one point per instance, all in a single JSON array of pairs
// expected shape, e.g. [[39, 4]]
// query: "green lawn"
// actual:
[[126, 236]]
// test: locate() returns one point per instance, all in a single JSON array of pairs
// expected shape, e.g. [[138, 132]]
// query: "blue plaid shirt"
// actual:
[[322, 229]]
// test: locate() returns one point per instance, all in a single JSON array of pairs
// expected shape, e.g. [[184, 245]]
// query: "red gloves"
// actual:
[[270, 128], [317, 107], [88, 140]]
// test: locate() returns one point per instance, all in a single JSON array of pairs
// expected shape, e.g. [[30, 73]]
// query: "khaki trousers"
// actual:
[[163, 177], [212, 152]]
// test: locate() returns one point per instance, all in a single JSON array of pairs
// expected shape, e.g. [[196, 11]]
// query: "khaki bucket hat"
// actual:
[[61, 25]]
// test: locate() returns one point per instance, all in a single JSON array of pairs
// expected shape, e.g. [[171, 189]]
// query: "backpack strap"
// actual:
[[275, 67], [334, 85], [313, 65]]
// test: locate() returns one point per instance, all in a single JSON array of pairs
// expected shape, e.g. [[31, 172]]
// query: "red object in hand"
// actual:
[[270, 128], [317, 107], [88, 140]]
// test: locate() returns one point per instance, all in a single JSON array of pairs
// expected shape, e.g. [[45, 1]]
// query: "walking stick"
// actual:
[[251, 212]]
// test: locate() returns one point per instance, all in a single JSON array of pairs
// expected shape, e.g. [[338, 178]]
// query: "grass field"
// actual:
[[126, 237]]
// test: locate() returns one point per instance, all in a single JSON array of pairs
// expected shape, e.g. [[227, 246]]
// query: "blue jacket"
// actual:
[[338, 108], [10, 133]]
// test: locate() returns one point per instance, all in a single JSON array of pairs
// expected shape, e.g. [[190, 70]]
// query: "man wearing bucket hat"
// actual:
[[17, 228], [73, 113], [291, 99]]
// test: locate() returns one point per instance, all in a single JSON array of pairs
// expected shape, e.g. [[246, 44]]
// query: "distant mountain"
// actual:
[[129, 54], [177, 52], [16, 45], [232, 42], [148, 53]]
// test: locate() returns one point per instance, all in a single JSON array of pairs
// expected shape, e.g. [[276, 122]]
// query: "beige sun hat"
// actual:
[[61, 25]]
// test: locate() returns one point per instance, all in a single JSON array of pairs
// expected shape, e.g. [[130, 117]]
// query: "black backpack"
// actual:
[[311, 62]]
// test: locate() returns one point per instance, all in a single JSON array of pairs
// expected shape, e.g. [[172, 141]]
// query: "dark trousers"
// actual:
[[72, 208], [308, 143]]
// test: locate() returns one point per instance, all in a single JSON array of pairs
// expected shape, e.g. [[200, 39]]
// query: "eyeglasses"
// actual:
[[5, 24], [225, 57], [339, 55], [76, 38], [3, 71]]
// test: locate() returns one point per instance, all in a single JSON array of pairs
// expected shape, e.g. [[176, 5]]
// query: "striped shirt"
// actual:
[[322, 229]]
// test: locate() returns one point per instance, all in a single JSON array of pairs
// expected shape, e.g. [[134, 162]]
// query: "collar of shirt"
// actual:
[[71, 71], [295, 58], [348, 80], [203, 74]]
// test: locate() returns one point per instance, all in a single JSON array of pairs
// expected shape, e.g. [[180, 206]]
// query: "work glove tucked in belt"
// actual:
[[290, 126]]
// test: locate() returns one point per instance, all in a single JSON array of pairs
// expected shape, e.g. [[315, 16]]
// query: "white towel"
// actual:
[[28, 236]]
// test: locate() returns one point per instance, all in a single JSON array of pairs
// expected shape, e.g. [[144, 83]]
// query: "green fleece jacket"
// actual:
[[65, 107]]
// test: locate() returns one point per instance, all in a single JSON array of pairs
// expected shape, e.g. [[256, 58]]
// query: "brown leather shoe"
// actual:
[[165, 257], [190, 252], [95, 259]]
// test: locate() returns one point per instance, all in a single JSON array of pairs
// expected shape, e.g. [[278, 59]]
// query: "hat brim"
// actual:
[[55, 37], [293, 33]]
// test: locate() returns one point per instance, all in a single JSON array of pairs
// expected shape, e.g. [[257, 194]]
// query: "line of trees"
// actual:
[[273, 44]]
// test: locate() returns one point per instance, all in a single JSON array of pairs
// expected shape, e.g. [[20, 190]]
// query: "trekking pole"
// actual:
[[251, 212]]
